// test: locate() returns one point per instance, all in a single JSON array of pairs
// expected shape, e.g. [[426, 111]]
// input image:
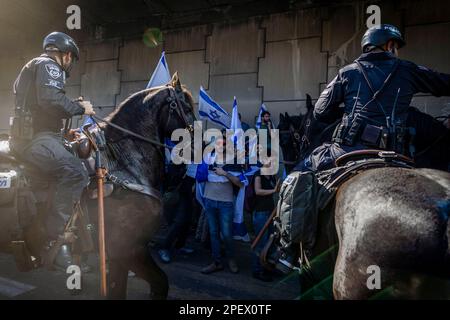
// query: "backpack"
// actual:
[[297, 209]]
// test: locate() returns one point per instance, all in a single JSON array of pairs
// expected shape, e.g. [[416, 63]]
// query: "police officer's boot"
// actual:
[[288, 259], [64, 258]]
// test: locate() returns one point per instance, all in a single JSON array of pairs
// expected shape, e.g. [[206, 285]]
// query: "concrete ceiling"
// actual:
[[27, 21]]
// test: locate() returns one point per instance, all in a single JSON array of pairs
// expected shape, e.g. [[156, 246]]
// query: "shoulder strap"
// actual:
[[383, 86], [386, 81]]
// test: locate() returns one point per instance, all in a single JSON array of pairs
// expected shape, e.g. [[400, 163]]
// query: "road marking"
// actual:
[[11, 288]]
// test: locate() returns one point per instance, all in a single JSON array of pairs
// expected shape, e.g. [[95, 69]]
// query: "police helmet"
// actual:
[[378, 35], [62, 42]]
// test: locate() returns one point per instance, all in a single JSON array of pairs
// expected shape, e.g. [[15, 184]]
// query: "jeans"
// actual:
[[220, 221], [259, 220]]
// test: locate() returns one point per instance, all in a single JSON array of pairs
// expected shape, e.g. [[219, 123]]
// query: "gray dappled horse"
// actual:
[[394, 219]]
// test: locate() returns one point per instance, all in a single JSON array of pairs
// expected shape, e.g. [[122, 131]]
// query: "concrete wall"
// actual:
[[273, 59]]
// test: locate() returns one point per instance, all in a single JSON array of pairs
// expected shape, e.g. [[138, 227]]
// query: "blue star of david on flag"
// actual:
[[208, 109]]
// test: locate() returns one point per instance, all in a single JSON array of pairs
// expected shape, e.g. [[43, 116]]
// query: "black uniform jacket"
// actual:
[[350, 88], [40, 87]]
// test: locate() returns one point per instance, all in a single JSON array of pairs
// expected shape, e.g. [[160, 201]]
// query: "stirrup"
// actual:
[[303, 258]]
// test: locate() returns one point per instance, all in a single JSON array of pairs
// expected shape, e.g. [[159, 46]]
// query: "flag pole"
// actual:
[[100, 175], [101, 224]]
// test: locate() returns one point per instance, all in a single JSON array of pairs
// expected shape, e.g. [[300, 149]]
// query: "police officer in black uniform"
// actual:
[[39, 88], [372, 96]]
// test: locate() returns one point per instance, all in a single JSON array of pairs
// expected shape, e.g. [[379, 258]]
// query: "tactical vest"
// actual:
[[391, 135]]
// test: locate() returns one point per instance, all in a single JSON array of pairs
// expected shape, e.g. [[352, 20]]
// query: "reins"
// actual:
[[131, 133]]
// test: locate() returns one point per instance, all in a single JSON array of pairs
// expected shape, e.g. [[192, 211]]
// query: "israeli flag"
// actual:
[[208, 109], [236, 124], [261, 110], [239, 229], [161, 75]]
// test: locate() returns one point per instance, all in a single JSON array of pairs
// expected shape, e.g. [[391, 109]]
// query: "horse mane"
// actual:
[[145, 98], [138, 159]]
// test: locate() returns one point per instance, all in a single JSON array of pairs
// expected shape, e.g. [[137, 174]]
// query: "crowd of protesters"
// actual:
[[215, 221]]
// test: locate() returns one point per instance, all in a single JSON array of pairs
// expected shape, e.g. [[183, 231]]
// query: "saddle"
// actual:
[[306, 197], [352, 163]]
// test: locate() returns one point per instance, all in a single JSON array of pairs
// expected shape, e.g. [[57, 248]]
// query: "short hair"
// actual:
[[264, 113]]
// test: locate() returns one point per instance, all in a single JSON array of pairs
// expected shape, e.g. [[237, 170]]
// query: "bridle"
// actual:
[[174, 105], [305, 142], [296, 139]]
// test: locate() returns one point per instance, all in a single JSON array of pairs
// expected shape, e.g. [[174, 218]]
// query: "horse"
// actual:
[[386, 222], [134, 135], [293, 139]]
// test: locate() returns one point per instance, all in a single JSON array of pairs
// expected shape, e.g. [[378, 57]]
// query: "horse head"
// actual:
[[314, 132], [289, 130], [154, 112], [136, 131]]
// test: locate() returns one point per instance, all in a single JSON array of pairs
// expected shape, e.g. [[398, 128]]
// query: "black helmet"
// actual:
[[62, 42], [380, 34]]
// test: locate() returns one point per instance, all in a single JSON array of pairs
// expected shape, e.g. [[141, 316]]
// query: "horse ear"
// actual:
[[281, 117], [309, 104], [176, 83], [286, 115]]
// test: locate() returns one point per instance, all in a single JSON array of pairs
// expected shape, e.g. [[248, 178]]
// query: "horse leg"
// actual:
[[348, 281], [146, 268], [118, 277]]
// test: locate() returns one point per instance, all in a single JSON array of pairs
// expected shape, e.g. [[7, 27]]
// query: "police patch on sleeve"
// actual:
[[54, 83], [53, 71]]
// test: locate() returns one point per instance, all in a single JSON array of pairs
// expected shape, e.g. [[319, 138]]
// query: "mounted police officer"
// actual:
[[372, 96], [37, 136]]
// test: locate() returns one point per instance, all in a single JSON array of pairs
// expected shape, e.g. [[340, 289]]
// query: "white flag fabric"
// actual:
[[261, 110], [161, 75], [208, 109], [236, 123]]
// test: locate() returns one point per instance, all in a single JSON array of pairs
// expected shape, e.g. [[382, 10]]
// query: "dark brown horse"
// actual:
[[391, 221], [131, 218]]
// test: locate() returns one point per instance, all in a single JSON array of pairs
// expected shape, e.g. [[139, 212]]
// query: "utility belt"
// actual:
[[373, 134], [22, 134]]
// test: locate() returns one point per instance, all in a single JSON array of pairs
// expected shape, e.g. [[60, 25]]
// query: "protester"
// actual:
[[266, 124], [265, 188], [180, 220], [245, 126], [219, 210]]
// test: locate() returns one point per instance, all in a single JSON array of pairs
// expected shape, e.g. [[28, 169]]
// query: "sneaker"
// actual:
[[164, 255], [233, 266], [185, 250], [131, 274], [262, 276], [213, 267]]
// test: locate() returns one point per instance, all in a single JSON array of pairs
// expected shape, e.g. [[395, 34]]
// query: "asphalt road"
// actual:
[[185, 280]]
